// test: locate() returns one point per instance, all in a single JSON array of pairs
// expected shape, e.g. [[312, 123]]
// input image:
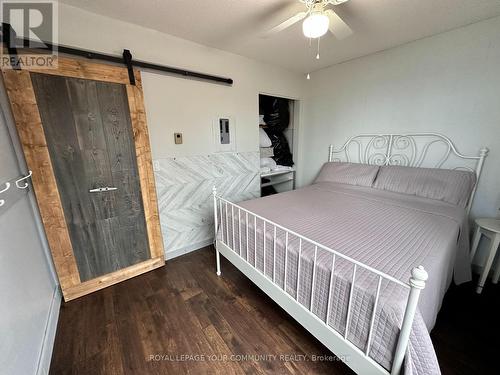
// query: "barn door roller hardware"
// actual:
[[127, 59], [6, 34]]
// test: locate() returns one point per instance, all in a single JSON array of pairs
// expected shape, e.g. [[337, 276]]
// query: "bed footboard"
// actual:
[[357, 359]]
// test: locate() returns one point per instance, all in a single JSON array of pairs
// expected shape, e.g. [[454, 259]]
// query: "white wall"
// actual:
[[448, 83], [29, 292], [175, 104]]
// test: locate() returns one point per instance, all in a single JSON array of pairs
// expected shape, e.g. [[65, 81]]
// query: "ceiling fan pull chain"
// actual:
[[317, 55]]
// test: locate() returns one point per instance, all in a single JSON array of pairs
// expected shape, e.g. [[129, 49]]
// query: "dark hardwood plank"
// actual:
[[181, 309], [185, 309], [466, 333]]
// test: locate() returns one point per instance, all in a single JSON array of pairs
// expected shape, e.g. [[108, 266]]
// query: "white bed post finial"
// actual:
[[479, 166], [417, 283], [330, 153], [482, 155], [216, 222]]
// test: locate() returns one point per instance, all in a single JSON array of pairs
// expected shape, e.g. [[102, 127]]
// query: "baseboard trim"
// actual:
[[50, 333], [187, 249]]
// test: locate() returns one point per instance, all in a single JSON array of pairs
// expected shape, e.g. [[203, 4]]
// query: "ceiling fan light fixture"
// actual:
[[315, 25]]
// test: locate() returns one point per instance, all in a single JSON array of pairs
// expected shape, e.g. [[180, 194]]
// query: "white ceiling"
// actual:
[[237, 25]]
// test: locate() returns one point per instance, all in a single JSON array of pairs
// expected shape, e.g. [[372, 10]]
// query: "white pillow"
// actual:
[[267, 162], [264, 139], [266, 152], [348, 173], [451, 186]]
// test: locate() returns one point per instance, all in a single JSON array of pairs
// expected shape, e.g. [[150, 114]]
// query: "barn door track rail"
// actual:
[[8, 34]]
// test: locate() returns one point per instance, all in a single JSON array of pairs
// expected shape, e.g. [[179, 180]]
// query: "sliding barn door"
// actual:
[[89, 136], [85, 139]]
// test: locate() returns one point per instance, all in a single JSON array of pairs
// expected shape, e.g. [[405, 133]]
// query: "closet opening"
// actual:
[[277, 142]]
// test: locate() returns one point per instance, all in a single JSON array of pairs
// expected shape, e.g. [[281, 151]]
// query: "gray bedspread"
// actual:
[[388, 231]]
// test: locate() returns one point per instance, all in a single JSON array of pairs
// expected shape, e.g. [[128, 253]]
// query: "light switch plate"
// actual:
[[156, 165], [178, 138]]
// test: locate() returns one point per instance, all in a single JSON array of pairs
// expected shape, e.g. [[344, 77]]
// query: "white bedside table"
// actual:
[[491, 229]]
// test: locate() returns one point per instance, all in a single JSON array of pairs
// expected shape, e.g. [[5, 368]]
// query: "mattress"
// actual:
[[390, 232]]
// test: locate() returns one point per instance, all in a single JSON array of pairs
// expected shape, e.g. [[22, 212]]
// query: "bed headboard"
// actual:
[[425, 150]]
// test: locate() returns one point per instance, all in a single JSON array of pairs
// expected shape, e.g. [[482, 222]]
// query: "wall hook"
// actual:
[[22, 179], [7, 186]]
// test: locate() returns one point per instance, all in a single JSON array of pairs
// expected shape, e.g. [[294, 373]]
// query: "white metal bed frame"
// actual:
[[380, 149], [409, 150]]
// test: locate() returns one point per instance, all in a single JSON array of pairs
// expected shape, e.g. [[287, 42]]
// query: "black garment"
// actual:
[[277, 118]]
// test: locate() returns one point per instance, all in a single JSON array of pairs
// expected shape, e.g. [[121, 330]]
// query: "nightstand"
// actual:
[[491, 229]]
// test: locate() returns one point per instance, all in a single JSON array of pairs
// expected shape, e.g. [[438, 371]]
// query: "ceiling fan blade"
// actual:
[[286, 24], [337, 25]]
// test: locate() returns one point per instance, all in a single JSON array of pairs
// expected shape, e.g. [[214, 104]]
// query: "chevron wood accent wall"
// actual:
[[184, 189]]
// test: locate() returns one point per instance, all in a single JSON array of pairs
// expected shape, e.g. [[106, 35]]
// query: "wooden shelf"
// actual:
[[278, 177], [277, 172], [270, 183]]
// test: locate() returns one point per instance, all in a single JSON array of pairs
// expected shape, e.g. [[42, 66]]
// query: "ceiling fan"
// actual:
[[318, 20]]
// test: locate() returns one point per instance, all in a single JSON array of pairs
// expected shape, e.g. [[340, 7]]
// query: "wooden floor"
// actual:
[[184, 319]]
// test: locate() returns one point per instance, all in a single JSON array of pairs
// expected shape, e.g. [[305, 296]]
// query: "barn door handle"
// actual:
[[99, 190]]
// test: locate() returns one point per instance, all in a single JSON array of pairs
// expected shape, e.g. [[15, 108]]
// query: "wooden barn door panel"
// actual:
[[90, 140], [80, 132]]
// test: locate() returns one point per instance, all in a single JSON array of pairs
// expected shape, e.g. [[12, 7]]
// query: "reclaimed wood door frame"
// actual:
[[31, 133]]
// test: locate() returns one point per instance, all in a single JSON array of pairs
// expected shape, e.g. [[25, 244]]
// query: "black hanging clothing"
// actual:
[[277, 118]]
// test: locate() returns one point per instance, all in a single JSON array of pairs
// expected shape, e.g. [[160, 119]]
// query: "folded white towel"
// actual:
[[266, 152], [264, 140], [267, 162], [282, 167]]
